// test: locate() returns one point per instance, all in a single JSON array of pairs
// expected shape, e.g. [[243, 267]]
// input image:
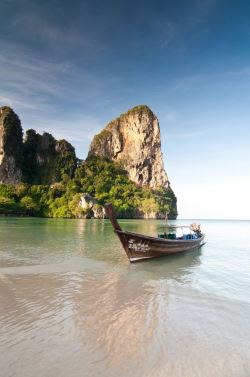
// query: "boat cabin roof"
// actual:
[[175, 226]]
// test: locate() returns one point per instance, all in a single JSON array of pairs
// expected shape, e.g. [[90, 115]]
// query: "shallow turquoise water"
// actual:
[[72, 305]]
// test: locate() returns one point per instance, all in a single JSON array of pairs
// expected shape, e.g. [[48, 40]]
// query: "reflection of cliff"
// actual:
[[112, 318], [120, 312], [90, 315]]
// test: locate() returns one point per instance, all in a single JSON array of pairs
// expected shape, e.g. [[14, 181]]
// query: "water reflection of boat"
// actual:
[[138, 246]]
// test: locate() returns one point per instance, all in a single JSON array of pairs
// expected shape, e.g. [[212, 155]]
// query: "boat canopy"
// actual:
[[194, 227], [175, 226]]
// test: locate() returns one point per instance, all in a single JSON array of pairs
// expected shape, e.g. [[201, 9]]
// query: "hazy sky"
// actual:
[[69, 67]]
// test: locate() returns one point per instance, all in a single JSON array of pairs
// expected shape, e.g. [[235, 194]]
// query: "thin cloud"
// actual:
[[29, 81], [168, 32], [186, 135], [18, 104], [24, 78], [170, 116], [184, 84], [77, 128], [41, 23], [48, 33], [242, 71], [200, 11]]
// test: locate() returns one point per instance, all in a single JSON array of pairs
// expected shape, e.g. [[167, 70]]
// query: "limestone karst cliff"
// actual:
[[47, 160], [41, 176], [38, 159], [134, 139], [10, 146]]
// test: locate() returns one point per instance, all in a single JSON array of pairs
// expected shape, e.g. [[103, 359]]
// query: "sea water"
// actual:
[[71, 304]]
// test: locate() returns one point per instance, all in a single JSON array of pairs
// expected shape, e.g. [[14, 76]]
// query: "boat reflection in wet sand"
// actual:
[[139, 246]]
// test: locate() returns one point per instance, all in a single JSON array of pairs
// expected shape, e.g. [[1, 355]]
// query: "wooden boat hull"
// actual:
[[139, 247]]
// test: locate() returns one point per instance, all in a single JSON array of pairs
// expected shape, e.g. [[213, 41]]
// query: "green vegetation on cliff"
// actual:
[[98, 177], [108, 182], [58, 200], [103, 135], [137, 109]]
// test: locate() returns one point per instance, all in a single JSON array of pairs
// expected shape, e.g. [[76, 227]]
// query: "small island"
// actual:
[[41, 176]]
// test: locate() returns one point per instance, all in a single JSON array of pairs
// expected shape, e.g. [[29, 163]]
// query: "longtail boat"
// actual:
[[138, 246]]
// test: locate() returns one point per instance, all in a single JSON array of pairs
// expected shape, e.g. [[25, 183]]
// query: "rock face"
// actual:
[[10, 146], [134, 140], [47, 160], [39, 159], [91, 207]]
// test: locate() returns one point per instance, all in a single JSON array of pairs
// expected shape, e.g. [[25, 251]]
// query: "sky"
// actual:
[[69, 67]]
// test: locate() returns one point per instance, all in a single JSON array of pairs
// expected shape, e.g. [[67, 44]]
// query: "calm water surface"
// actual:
[[71, 305]]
